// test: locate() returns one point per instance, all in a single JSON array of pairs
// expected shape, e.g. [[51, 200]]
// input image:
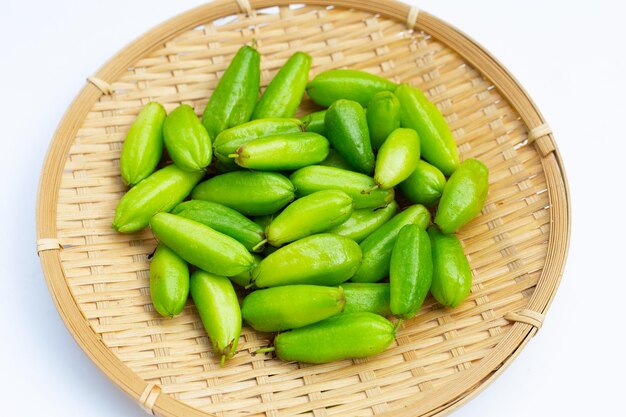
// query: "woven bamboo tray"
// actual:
[[99, 279]]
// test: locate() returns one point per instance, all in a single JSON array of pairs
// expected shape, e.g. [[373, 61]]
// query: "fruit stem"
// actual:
[[259, 245], [233, 155], [266, 350]]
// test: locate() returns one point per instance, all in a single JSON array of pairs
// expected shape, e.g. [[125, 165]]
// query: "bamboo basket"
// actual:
[[99, 279]]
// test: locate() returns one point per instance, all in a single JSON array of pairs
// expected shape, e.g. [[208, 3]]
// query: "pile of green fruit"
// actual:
[[295, 208]]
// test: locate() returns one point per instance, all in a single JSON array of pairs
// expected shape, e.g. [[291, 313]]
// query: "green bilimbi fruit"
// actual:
[[397, 158], [308, 215], [346, 129], [323, 259], [360, 187], [383, 117], [143, 145], [452, 276], [330, 86], [161, 191], [224, 220], [169, 282], [411, 271], [282, 152], [378, 246], [229, 140], [291, 306], [186, 140], [245, 278], [201, 246], [424, 185], [364, 222], [437, 144], [371, 297], [236, 94], [314, 122], [335, 160], [249, 192], [352, 335], [463, 196], [284, 93], [217, 304]]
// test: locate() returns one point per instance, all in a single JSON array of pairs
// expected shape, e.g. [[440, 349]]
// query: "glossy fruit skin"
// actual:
[[383, 117], [233, 100], [411, 271], [229, 140], [335, 160], [452, 275], [359, 186], [378, 246], [284, 93], [364, 222], [161, 191], [308, 215], [397, 158], [284, 152], [224, 220], [437, 144], [201, 246], [345, 125], [291, 306], [352, 335], [424, 185], [186, 140], [463, 196], [322, 259], [217, 304], [314, 122], [169, 282], [245, 278], [371, 297], [249, 192], [330, 86], [143, 145]]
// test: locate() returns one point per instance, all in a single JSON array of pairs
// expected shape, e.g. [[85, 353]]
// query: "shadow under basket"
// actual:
[[99, 278]]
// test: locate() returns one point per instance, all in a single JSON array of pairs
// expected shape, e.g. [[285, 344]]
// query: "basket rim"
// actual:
[[459, 392]]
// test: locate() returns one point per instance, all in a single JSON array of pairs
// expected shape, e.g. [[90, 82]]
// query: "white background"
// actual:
[[568, 55]]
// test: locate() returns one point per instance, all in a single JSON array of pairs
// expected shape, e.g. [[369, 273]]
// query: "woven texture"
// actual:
[[107, 273]]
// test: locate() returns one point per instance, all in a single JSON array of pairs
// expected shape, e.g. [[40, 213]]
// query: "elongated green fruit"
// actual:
[[292, 306], [314, 122], [353, 335], [424, 185], [411, 271], [284, 93], [330, 86], [346, 129], [360, 187], [397, 158], [217, 304], [224, 220], [283, 152], [229, 140], [244, 279], [437, 144], [308, 215], [378, 246], [335, 160], [161, 191], [186, 140], [383, 117], [201, 246], [235, 96], [371, 297], [463, 196], [322, 259], [364, 222], [143, 145], [169, 282], [249, 192], [452, 276]]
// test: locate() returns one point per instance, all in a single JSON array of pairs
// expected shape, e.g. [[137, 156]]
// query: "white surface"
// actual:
[[569, 57]]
